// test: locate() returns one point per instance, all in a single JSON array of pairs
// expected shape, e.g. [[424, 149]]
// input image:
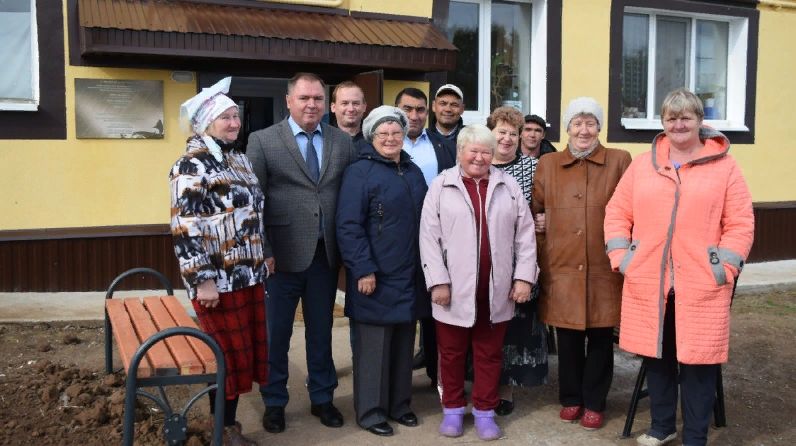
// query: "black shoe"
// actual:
[[274, 419], [329, 415], [382, 429], [408, 419], [419, 361], [505, 407]]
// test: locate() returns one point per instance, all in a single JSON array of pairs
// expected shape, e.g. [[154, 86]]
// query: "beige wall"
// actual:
[[770, 163], [74, 183]]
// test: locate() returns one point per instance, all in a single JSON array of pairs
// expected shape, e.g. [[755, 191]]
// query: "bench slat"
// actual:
[[181, 351], [126, 339], [182, 319], [158, 355]]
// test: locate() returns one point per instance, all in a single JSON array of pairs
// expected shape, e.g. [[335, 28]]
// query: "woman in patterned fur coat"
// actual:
[[216, 204]]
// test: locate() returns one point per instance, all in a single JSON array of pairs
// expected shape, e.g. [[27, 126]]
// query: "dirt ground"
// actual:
[[53, 390]]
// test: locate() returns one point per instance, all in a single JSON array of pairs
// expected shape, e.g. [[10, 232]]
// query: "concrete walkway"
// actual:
[[535, 420], [30, 307]]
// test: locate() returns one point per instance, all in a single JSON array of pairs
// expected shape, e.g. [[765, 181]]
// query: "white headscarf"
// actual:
[[198, 112]]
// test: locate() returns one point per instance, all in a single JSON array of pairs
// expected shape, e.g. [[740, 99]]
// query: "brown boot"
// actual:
[[234, 437]]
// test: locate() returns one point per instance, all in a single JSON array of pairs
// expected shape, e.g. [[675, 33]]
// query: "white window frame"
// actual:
[[32, 104], [738, 34], [538, 68]]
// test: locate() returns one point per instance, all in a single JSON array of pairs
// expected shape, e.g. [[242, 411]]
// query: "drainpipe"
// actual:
[[778, 4], [324, 3]]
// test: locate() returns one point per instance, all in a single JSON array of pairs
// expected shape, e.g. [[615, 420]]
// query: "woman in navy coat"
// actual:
[[378, 217]]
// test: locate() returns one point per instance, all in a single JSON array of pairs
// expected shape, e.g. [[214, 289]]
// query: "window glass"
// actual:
[[16, 50], [711, 67], [511, 55], [462, 30], [635, 57], [672, 45]]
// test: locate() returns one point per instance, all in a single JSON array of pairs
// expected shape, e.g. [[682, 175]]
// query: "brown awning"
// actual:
[[218, 31]]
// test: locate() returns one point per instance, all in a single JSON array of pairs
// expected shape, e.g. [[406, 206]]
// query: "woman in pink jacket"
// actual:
[[679, 227], [478, 251]]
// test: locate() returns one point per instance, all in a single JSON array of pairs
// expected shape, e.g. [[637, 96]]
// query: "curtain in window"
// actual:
[[672, 56], [635, 57], [15, 51], [711, 67]]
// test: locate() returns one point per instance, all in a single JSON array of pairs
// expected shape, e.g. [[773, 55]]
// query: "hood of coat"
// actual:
[[716, 146], [368, 152]]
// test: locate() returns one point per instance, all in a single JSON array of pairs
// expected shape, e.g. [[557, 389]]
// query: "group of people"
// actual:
[[483, 234]]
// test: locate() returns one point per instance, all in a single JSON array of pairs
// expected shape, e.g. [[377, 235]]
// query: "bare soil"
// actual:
[[53, 389]]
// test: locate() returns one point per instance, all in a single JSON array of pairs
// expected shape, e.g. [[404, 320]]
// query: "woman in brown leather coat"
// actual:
[[580, 294]]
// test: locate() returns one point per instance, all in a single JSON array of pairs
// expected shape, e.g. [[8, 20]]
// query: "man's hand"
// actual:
[[520, 291], [207, 294], [441, 295], [367, 284], [271, 264], [540, 222]]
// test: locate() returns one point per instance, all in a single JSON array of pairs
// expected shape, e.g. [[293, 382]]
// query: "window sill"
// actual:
[[653, 124], [18, 106]]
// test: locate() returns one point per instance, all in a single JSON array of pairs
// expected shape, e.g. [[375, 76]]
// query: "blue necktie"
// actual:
[[315, 172], [312, 158]]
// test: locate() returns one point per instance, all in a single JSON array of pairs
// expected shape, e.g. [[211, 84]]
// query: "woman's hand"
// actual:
[[367, 284], [441, 295], [540, 223], [207, 294], [520, 291]]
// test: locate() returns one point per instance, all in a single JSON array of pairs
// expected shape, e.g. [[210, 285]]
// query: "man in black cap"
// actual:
[[532, 138]]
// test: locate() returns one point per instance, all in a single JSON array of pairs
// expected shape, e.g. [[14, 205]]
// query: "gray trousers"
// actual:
[[382, 371]]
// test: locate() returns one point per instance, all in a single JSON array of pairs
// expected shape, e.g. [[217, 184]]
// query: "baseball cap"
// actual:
[[450, 88]]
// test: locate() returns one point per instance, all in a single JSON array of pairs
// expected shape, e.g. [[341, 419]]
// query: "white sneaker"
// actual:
[[649, 440]]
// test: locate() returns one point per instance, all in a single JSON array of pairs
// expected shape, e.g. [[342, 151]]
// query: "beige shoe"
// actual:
[[649, 440]]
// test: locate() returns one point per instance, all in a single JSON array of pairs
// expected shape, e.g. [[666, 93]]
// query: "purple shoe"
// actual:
[[485, 425], [452, 420]]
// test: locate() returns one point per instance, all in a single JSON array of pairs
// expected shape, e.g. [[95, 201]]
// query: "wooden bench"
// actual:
[[159, 345]]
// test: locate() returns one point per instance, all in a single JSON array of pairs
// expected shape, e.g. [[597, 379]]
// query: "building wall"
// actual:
[[93, 182], [768, 164]]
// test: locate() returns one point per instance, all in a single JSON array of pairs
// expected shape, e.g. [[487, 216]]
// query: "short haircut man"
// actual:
[[532, 137], [348, 105], [299, 163], [448, 106], [433, 154]]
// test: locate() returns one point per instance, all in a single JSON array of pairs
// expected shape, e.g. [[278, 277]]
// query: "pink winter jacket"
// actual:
[[449, 244], [688, 229]]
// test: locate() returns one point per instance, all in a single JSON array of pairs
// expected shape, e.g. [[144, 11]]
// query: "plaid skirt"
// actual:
[[237, 324]]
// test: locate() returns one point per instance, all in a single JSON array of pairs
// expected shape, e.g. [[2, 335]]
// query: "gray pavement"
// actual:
[[535, 420]]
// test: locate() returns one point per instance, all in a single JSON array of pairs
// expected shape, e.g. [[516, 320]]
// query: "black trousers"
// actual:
[[382, 371], [428, 337], [697, 385], [585, 366]]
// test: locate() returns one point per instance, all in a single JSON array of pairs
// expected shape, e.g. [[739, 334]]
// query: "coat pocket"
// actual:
[[631, 251], [716, 266]]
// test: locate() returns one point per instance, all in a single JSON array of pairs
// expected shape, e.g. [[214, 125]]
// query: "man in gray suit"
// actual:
[[300, 164]]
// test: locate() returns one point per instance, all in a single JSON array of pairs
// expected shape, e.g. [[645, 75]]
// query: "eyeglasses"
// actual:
[[382, 136]]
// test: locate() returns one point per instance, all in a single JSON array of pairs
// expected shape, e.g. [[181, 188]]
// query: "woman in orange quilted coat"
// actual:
[[679, 227]]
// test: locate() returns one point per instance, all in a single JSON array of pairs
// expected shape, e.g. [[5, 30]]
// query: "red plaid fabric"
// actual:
[[238, 325]]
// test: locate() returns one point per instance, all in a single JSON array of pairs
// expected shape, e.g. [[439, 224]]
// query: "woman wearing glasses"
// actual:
[[378, 217]]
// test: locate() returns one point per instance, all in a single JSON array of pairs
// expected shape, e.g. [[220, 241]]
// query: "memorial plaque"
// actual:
[[119, 109]]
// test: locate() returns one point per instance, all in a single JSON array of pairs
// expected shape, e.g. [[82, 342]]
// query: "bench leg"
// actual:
[[638, 393], [108, 345], [719, 417]]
